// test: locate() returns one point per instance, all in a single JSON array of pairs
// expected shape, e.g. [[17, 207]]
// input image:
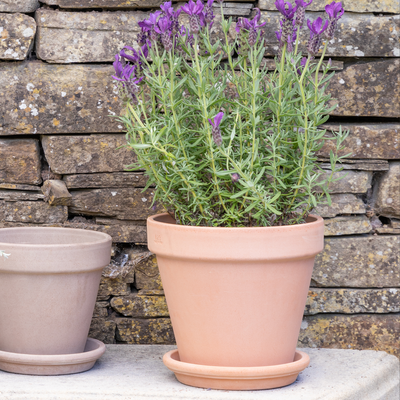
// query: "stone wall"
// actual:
[[61, 163]]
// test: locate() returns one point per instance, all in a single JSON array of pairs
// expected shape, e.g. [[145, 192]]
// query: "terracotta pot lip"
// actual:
[[154, 219], [177, 366], [104, 238]]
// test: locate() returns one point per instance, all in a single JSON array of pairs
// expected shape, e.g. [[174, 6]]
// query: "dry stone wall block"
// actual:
[[347, 225], [106, 4], [370, 141], [103, 330], [113, 287], [349, 181], [20, 161], [87, 153], [56, 193], [367, 89], [145, 331], [18, 195], [387, 197], [344, 203], [147, 275], [356, 332], [35, 212], [36, 97], [17, 32], [353, 301], [100, 309], [23, 6], [139, 306], [112, 180], [387, 6], [358, 262], [120, 203]]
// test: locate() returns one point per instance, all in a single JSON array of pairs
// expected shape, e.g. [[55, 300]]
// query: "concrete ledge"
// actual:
[[127, 372]]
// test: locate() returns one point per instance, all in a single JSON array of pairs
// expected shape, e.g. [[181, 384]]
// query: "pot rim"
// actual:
[[155, 219], [103, 238]]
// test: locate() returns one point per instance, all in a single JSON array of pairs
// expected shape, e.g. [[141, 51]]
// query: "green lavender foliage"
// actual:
[[270, 134]]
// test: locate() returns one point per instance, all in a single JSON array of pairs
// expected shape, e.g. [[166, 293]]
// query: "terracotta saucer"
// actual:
[[62, 364], [236, 378]]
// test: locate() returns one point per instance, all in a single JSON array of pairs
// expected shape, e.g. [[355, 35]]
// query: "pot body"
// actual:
[[236, 296], [48, 288]]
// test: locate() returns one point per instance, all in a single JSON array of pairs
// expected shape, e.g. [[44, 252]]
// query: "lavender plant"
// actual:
[[225, 141]]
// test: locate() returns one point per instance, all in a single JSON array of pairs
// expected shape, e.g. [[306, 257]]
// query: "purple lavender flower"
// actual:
[[163, 27], [235, 177], [167, 9], [288, 23], [302, 65], [248, 31], [286, 9], [300, 11], [216, 130], [335, 12], [209, 14], [196, 15], [316, 30]]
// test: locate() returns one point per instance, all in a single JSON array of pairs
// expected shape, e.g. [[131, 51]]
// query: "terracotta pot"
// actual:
[[48, 288], [236, 296]]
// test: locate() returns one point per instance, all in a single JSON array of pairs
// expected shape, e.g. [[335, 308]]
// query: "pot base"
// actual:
[[236, 378], [61, 364]]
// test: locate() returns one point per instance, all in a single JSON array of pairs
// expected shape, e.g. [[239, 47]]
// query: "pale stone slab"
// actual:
[[18, 195], [367, 89], [17, 32], [106, 4], [35, 212], [112, 180], [23, 6], [71, 37], [127, 372], [349, 181], [347, 225], [366, 141], [341, 204], [352, 301], [17, 186], [40, 98], [145, 331], [387, 197], [140, 306], [20, 161], [357, 35], [360, 165], [120, 203], [387, 6], [357, 332], [87, 153], [358, 262]]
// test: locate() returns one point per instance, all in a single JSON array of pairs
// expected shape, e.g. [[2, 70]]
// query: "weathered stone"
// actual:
[[341, 204], [151, 292], [363, 261], [36, 97], [376, 141], [145, 331], [357, 35], [387, 197], [100, 309], [112, 287], [139, 306], [16, 186], [121, 203], [103, 330], [395, 223], [87, 153], [239, 9], [112, 221], [106, 4], [357, 332], [347, 226], [387, 6], [24, 6], [270, 64], [349, 181], [17, 195], [56, 193], [20, 161], [123, 264], [17, 32], [388, 231], [69, 37], [147, 275], [36, 212], [353, 301], [113, 180], [360, 165], [367, 89]]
